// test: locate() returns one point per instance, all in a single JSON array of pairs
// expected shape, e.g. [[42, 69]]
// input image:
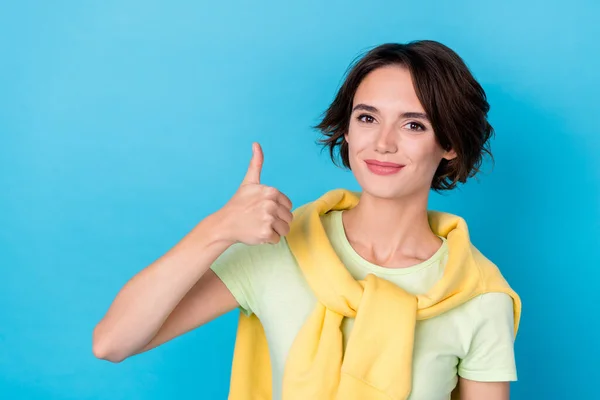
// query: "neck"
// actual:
[[391, 232]]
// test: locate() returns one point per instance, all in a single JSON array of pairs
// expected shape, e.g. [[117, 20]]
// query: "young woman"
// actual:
[[354, 295]]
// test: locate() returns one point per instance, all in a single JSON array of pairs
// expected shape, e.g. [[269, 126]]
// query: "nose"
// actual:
[[386, 140]]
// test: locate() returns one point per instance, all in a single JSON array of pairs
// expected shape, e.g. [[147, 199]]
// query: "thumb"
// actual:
[[255, 167]]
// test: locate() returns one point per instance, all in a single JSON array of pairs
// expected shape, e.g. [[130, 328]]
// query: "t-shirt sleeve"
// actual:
[[244, 269], [491, 356]]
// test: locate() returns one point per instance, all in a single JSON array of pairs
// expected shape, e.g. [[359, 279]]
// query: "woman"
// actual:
[[422, 313]]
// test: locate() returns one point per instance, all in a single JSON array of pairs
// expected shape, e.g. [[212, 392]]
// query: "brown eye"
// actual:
[[366, 118], [414, 126]]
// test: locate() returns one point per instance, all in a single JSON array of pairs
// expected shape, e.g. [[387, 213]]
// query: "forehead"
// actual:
[[388, 87]]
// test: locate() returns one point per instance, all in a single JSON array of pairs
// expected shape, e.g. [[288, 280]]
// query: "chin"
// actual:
[[382, 190]]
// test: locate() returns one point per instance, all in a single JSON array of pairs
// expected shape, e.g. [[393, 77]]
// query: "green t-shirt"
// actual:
[[474, 340]]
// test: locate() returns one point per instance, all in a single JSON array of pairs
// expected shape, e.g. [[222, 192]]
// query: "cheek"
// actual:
[[357, 140], [356, 147], [423, 153]]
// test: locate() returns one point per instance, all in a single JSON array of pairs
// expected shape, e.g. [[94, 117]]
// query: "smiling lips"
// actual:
[[383, 168]]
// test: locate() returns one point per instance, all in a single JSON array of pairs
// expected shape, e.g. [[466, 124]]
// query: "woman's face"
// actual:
[[392, 148]]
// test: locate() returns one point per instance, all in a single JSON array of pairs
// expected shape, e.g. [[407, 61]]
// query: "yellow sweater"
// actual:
[[377, 362]]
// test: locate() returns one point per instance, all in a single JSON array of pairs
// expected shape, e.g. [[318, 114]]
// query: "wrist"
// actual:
[[217, 230]]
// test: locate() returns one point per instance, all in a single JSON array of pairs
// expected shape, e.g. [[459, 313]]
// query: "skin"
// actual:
[[178, 292]]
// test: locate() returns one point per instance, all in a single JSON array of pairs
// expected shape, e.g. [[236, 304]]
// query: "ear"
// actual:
[[449, 155]]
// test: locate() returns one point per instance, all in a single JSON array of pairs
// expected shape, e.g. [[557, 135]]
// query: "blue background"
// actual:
[[123, 123]]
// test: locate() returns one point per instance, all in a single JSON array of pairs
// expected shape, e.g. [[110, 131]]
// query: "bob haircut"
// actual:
[[454, 101]]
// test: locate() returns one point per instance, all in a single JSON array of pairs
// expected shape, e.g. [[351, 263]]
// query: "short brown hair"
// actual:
[[454, 101]]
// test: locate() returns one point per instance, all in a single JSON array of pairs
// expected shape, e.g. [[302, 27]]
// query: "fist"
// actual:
[[257, 214]]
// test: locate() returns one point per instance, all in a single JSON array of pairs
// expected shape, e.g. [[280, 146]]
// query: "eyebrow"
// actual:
[[366, 107]]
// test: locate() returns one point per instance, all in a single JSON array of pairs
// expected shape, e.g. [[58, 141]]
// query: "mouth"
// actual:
[[382, 167]]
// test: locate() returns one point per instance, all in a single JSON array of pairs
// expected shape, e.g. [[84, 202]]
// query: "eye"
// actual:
[[415, 126], [366, 118]]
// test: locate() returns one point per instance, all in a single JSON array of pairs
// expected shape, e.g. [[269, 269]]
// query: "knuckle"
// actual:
[[269, 218], [265, 233], [270, 206], [271, 192]]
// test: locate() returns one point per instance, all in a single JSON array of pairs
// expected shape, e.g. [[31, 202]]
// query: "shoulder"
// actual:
[[487, 314], [249, 271], [250, 264], [492, 313], [490, 305], [495, 301]]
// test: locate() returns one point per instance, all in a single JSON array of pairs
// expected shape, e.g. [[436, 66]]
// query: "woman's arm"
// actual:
[[179, 292], [473, 390], [145, 302]]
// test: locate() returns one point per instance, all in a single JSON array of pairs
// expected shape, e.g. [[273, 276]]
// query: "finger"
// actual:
[[284, 201], [273, 238], [285, 215], [255, 167], [281, 227]]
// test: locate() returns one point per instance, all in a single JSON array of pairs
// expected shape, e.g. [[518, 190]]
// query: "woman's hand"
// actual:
[[256, 213]]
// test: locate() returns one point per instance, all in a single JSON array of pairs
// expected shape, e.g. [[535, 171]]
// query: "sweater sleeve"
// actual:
[[491, 355]]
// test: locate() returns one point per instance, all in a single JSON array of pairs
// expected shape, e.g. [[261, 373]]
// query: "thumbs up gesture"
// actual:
[[256, 213]]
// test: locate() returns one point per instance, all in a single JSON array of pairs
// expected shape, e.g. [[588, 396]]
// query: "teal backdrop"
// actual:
[[124, 123]]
